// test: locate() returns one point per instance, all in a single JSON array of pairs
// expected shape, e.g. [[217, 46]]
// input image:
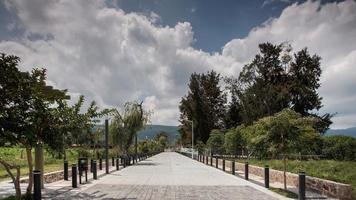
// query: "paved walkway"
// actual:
[[165, 176]]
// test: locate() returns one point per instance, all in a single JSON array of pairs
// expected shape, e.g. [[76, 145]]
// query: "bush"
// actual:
[[339, 147], [233, 141], [216, 142], [84, 153]]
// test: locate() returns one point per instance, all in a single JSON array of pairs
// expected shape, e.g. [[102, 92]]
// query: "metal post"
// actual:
[[117, 163], [112, 161], [94, 170], [124, 163], [65, 170], [211, 160], [107, 146], [233, 167], [74, 175], [223, 167], [37, 185], [217, 162], [267, 176], [246, 170], [91, 165], [301, 195], [206, 159]]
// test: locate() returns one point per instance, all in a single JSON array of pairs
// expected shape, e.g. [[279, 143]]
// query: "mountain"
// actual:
[[152, 130], [348, 131]]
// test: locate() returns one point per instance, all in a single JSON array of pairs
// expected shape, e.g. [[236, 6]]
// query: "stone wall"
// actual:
[[322, 186], [57, 175]]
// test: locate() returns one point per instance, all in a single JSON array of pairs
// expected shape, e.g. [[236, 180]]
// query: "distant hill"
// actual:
[[152, 130], [347, 131]]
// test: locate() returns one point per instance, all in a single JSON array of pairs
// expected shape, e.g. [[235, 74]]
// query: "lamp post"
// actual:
[[192, 138]]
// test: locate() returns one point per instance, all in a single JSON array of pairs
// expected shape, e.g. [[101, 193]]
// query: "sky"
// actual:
[[113, 51]]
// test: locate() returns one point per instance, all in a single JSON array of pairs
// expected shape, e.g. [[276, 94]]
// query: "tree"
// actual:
[[233, 113], [27, 109], [204, 105], [162, 138], [216, 142], [262, 84], [233, 142], [125, 125], [339, 147], [284, 133], [275, 80]]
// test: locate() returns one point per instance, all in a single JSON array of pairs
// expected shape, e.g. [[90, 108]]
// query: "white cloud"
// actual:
[[327, 30], [112, 56]]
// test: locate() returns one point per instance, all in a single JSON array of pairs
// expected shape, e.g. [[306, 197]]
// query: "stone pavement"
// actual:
[[164, 176]]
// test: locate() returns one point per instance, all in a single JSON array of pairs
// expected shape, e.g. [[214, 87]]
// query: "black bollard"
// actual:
[[206, 159], [223, 167], [117, 163], [124, 162], [266, 176], [65, 170], [37, 185], [101, 164], [91, 165], [301, 195], [211, 161], [74, 175], [94, 170], [246, 170], [217, 162], [112, 161], [233, 167]]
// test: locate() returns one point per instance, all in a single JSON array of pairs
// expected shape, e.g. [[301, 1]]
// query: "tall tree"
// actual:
[[275, 80], [204, 105], [26, 115]]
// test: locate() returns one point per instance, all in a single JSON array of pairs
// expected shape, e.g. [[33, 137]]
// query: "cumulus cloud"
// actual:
[[111, 56]]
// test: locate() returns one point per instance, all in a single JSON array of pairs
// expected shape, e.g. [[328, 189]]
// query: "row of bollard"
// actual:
[[82, 167], [301, 176]]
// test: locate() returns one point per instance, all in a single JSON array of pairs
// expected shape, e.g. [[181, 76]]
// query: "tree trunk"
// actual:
[[30, 170], [39, 164], [15, 180], [284, 172]]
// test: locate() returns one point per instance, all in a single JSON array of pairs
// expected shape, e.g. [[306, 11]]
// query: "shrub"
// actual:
[[233, 141], [339, 147], [216, 142]]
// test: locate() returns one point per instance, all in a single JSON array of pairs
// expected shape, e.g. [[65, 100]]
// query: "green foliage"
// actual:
[[150, 146], [204, 105], [216, 142], [339, 147], [124, 126], [233, 142], [275, 80], [200, 146], [283, 133]]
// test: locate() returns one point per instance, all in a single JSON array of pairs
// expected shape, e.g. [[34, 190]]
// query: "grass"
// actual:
[[13, 155], [339, 171]]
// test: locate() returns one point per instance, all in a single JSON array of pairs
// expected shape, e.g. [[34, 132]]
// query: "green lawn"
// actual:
[[339, 171]]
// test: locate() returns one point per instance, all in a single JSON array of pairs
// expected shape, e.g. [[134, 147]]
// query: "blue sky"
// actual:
[[124, 50], [214, 22]]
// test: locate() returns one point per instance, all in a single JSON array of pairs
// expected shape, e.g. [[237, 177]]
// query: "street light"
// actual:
[[192, 138]]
